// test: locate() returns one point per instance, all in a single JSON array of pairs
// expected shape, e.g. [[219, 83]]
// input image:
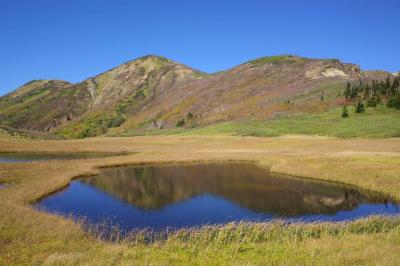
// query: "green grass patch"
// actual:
[[379, 122], [273, 59], [93, 125], [148, 132]]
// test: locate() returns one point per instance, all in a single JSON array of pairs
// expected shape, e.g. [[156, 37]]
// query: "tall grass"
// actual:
[[29, 237], [244, 232]]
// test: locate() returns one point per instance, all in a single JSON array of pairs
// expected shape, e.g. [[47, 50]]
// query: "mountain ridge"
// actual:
[[156, 92]]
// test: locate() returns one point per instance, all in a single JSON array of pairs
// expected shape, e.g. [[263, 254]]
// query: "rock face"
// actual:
[[154, 92]]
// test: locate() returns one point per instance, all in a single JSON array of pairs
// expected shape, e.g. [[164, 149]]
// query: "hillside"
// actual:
[[91, 107], [153, 92]]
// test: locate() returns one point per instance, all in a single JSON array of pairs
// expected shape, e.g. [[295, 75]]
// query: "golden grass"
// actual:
[[28, 236]]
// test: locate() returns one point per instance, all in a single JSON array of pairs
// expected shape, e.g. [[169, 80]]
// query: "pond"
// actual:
[[15, 157], [177, 196]]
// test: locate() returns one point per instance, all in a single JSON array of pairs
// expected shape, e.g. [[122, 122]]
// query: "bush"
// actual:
[[180, 122], [345, 112], [115, 121], [373, 102], [360, 108], [189, 116], [394, 102]]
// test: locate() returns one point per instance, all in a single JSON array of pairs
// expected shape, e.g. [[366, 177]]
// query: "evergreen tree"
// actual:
[[388, 85], [347, 91], [374, 93], [353, 92], [396, 85], [367, 92], [394, 102], [345, 112], [360, 107]]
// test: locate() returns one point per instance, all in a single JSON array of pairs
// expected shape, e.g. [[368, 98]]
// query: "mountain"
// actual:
[[93, 106], [155, 92]]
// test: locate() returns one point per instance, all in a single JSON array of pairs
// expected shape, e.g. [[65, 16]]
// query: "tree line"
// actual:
[[375, 92], [370, 94]]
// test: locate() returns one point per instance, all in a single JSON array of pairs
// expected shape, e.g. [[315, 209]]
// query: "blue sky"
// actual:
[[76, 39]]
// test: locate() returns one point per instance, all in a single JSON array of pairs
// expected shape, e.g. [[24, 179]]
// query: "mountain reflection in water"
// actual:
[[154, 187], [192, 195]]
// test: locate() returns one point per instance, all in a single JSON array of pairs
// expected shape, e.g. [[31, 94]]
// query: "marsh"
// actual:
[[17, 157]]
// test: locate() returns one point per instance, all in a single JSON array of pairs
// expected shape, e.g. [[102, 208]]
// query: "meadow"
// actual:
[[379, 122], [29, 236]]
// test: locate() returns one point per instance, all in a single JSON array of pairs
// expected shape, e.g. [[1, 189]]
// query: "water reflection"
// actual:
[[191, 195], [247, 185]]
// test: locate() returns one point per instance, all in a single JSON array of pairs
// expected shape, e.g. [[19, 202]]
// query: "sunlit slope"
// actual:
[[154, 93]]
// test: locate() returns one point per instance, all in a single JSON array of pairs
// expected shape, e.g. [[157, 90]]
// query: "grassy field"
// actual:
[[28, 236], [380, 122]]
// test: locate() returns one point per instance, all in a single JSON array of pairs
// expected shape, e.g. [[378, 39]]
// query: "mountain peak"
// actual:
[[285, 58], [154, 56]]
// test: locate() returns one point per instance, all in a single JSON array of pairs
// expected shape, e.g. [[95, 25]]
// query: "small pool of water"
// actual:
[[15, 157], [179, 196]]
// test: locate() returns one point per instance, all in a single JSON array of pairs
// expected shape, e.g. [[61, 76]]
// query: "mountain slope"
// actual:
[[123, 91], [257, 89], [101, 102], [154, 92], [40, 105]]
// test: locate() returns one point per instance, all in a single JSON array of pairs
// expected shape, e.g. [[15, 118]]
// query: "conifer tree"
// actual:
[[345, 112], [347, 91], [360, 107]]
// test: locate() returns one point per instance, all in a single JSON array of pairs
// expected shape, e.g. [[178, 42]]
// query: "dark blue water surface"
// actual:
[[179, 196]]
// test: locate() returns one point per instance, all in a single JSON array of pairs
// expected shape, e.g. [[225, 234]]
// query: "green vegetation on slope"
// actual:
[[375, 92], [374, 123], [42, 105], [154, 92], [274, 59], [379, 122], [95, 124]]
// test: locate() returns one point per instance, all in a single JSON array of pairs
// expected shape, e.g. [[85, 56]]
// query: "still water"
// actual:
[[179, 196], [15, 157]]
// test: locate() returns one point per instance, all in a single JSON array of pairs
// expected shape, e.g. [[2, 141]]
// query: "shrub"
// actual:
[[345, 112], [180, 122], [189, 116], [115, 121], [360, 108], [373, 102], [394, 102]]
